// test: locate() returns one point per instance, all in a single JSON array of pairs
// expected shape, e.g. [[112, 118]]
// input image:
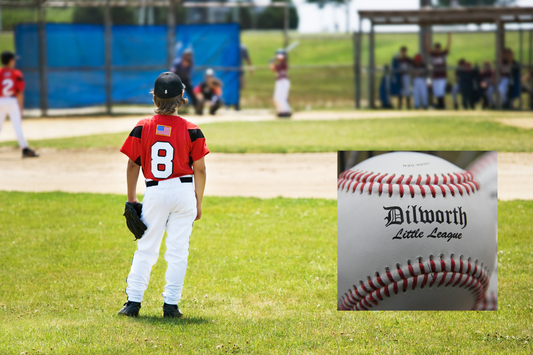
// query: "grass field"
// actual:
[[454, 133], [261, 279]]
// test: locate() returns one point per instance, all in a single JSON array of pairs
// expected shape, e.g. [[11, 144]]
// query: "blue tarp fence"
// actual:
[[75, 56]]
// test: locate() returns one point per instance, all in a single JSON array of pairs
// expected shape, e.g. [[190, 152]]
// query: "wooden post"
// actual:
[[286, 24], [108, 58], [171, 32], [357, 66], [43, 63], [499, 52], [371, 67]]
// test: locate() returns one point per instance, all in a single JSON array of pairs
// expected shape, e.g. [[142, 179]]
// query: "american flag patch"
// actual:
[[163, 130]]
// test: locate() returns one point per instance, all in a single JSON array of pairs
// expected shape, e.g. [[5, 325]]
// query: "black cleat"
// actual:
[[284, 115], [28, 153], [171, 311], [130, 309]]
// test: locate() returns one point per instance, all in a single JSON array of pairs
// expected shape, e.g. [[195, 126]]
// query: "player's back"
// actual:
[[11, 82], [169, 146]]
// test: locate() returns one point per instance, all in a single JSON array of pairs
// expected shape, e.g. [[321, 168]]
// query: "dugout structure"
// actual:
[[87, 65], [427, 17]]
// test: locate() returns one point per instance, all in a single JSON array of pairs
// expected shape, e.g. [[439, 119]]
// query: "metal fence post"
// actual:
[[371, 67], [520, 61], [499, 52], [43, 77], [171, 32], [286, 24], [108, 58], [357, 67]]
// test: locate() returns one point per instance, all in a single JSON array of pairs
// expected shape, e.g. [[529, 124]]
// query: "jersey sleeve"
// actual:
[[132, 146], [198, 145], [198, 89]]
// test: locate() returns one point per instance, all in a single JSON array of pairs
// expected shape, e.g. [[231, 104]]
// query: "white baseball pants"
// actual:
[[10, 106], [406, 85], [171, 205], [439, 87], [420, 92], [281, 95], [502, 88]]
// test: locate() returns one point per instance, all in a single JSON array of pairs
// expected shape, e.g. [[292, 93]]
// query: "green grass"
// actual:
[[439, 133], [261, 279]]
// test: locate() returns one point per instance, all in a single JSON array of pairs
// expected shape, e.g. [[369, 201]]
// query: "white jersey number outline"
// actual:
[[166, 161], [7, 85]]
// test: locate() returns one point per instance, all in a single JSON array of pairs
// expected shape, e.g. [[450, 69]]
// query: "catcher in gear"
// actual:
[[171, 152], [133, 212]]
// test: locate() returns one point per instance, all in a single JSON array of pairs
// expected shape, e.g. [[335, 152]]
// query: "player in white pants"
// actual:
[[171, 151], [283, 85], [420, 88], [12, 100]]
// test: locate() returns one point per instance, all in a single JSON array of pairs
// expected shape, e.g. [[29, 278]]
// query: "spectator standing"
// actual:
[[183, 66], [527, 84], [405, 64], [466, 85], [455, 88], [243, 57], [420, 89], [505, 77], [438, 62]]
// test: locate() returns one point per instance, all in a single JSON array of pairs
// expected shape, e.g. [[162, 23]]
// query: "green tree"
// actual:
[[271, 18]]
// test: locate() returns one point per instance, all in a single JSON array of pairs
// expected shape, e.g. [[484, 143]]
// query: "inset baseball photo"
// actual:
[[417, 230]]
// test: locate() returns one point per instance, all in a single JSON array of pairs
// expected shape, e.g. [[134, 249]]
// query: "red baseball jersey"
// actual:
[[281, 69], [11, 82], [438, 60], [165, 146]]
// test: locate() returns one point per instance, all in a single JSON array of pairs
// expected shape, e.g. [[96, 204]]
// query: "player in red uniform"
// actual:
[[281, 90], [12, 100], [171, 152]]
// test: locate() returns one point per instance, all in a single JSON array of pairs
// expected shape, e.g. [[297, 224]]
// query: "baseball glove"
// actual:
[[132, 212]]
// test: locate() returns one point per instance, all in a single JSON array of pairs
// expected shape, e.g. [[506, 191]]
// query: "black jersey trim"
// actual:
[[137, 132], [138, 161], [195, 134]]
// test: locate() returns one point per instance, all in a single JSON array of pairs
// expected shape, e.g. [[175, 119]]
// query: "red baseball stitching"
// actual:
[[483, 162], [370, 182], [454, 273]]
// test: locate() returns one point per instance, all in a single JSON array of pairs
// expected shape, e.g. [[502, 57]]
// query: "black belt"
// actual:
[[182, 179]]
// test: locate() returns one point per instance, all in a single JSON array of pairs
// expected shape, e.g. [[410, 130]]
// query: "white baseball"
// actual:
[[485, 170], [414, 233]]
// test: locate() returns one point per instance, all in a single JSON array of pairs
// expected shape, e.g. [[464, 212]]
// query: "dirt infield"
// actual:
[[250, 175]]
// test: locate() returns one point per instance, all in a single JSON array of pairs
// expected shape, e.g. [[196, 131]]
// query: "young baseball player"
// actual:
[[438, 62], [12, 100], [171, 152], [208, 92], [281, 90]]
